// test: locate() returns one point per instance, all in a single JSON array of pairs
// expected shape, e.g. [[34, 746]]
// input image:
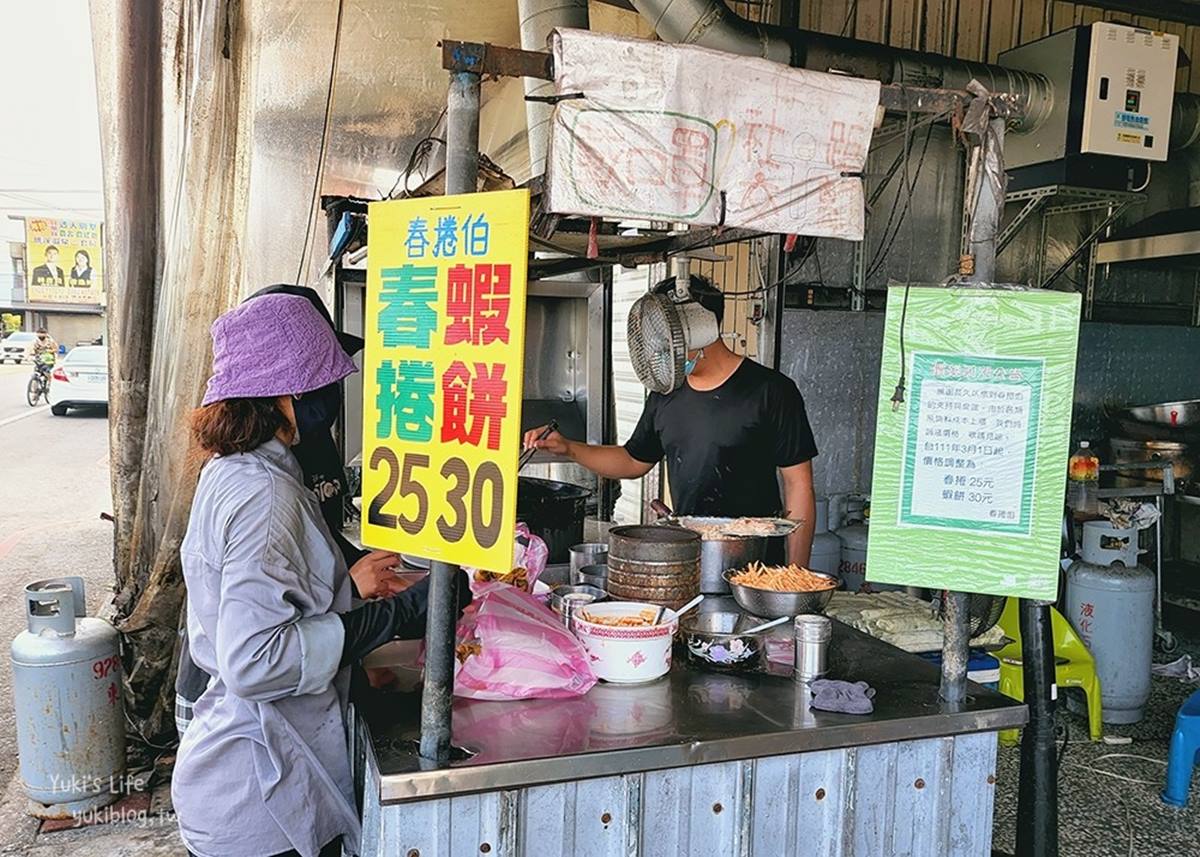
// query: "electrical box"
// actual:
[[1130, 90], [1114, 88]]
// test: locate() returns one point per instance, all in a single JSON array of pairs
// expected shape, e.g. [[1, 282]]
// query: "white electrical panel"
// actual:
[[1129, 93]]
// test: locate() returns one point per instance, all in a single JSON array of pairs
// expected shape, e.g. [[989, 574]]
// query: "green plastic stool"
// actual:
[[1074, 667]]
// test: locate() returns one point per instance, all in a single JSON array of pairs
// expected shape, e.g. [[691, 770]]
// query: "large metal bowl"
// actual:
[[1170, 414], [771, 604]]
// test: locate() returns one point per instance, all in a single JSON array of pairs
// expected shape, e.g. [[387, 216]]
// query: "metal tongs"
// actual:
[[551, 427]]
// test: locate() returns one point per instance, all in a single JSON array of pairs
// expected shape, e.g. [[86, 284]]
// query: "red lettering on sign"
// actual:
[[473, 404], [477, 301]]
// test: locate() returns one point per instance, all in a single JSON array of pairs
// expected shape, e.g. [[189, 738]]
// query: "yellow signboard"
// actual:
[[442, 376], [63, 261]]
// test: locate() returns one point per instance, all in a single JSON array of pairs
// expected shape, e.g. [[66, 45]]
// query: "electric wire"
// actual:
[[883, 252], [325, 127]]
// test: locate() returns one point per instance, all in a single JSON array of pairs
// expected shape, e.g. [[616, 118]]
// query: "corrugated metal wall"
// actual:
[[628, 392], [926, 798], [977, 29]]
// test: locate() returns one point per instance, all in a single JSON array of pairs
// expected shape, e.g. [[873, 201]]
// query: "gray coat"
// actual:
[[264, 766]]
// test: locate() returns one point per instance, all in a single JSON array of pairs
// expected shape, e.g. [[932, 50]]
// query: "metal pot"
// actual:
[[1183, 456], [655, 564], [719, 555], [554, 511]]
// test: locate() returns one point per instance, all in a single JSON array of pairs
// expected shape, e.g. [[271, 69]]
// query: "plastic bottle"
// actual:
[[1083, 475]]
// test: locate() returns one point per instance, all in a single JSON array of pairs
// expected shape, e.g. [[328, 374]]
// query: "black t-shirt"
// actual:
[[722, 446]]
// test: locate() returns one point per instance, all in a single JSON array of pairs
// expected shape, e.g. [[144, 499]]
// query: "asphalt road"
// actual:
[[13, 380], [53, 487]]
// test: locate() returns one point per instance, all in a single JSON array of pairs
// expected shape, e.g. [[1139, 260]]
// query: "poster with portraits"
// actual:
[[63, 261]]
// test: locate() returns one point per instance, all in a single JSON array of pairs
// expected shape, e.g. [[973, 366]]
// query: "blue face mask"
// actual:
[[690, 363]]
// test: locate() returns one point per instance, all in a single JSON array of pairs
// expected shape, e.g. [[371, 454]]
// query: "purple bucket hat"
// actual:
[[274, 345]]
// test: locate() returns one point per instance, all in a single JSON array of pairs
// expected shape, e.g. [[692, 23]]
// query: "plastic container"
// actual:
[[1083, 481]]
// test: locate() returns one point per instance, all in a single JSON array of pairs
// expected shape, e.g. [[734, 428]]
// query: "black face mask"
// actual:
[[316, 412]]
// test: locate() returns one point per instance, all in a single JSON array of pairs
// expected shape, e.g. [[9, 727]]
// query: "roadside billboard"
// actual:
[[63, 261]]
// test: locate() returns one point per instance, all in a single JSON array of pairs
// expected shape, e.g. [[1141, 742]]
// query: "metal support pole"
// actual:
[[462, 175], [438, 692], [1037, 798], [462, 133], [955, 647], [989, 205]]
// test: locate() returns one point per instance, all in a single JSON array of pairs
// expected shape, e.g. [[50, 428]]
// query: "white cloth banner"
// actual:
[[686, 134]]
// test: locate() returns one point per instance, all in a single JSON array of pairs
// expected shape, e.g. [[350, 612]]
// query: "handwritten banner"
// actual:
[[746, 142]]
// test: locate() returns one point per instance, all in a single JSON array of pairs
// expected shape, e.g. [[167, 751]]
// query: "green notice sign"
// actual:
[[970, 470]]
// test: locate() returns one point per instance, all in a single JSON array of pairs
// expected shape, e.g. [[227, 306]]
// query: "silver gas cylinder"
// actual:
[[67, 695], [826, 547], [1111, 607], [853, 563]]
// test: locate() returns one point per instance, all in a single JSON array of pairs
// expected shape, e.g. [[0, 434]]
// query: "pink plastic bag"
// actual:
[[524, 650]]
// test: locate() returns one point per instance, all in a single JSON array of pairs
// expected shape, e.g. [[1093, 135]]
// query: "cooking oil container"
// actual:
[[67, 695]]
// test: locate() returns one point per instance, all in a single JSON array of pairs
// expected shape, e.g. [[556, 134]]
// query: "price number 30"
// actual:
[[483, 491]]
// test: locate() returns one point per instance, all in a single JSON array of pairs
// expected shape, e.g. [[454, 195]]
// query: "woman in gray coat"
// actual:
[[264, 767]]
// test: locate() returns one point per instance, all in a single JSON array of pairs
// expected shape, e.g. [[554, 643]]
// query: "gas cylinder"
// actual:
[[1111, 607], [67, 694], [853, 563], [826, 547]]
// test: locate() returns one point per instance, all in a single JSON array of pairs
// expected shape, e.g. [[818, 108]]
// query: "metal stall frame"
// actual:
[[468, 61]]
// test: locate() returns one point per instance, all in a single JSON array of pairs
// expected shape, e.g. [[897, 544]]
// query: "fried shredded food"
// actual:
[[634, 620], [464, 650], [732, 529], [517, 577], [780, 578]]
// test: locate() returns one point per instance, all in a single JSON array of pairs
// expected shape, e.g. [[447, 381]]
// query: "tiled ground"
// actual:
[[1101, 816]]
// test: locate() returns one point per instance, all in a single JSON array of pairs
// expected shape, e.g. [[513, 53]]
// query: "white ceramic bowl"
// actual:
[[626, 655]]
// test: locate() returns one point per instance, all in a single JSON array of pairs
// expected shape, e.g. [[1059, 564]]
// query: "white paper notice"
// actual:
[[971, 443]]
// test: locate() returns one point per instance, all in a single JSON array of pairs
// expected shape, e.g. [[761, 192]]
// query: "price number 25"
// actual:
[[481, 491]]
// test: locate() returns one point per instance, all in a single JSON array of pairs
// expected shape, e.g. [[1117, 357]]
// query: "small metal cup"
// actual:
[[567, 600], [592, 575], [588, 553], [813, 633]]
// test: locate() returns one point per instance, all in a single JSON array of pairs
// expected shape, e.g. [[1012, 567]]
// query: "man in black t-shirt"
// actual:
[[725, 434]]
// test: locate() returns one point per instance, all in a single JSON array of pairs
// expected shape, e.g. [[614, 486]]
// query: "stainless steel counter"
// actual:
[[690, 717]]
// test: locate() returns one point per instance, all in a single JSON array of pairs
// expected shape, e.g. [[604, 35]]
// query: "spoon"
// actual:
[[765, 625], [686, 607]]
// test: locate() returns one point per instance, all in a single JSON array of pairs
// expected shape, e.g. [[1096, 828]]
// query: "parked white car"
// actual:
[[80, 380], [17, 346]]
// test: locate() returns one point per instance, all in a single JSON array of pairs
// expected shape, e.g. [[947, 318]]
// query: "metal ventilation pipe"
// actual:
[[1185, 120], [711, 24], [537, 18]]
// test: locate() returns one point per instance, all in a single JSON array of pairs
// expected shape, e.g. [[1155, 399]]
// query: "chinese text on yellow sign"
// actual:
[[445, 330], [63, 261]]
